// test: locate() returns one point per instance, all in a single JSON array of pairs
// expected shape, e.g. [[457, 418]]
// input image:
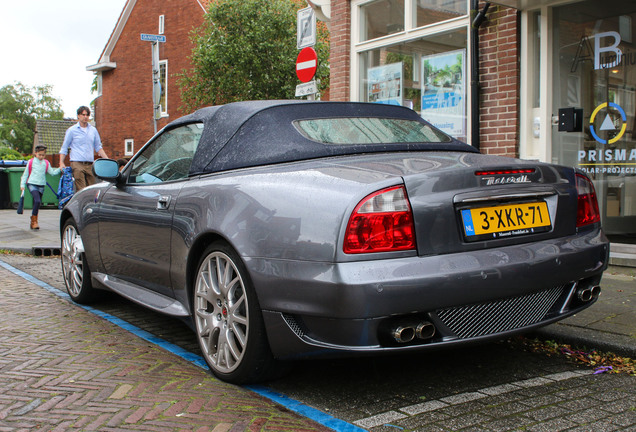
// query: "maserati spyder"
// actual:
[[288, 229]]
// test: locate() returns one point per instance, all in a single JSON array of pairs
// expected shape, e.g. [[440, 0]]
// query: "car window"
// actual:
[[167, 157], [369, 130]]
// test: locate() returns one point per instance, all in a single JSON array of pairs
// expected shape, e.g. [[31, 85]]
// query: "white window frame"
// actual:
[[409, 33], [129, 147], [162, 24], [531, 147], [99, 83]]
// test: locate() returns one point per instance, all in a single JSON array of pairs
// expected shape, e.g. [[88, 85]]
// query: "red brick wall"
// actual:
[[124, 110], [499, 77], [340, 36]]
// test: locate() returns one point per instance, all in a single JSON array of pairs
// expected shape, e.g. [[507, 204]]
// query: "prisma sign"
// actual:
[[608, 123]]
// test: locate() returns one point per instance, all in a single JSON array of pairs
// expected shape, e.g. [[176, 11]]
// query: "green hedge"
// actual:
[[10, 154]]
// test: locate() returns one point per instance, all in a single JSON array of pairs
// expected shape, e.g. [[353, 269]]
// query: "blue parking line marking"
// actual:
[[291, 404], [149, 337], [306, 411], [34, 280]]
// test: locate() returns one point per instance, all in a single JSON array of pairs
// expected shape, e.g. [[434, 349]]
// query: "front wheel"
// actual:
[[77, 276], [228, 319]]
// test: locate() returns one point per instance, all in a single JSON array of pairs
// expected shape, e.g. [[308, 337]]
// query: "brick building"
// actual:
[[124, 113]]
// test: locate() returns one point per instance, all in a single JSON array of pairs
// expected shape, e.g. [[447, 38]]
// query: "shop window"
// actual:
[[428, 75], [381, 18], [435, 11], [594, 70]]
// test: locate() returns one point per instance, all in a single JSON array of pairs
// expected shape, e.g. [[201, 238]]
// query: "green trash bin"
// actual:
[[49, 198], [13, 176], [4, 190]]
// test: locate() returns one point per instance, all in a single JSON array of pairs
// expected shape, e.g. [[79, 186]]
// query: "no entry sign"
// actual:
[[306, 64]]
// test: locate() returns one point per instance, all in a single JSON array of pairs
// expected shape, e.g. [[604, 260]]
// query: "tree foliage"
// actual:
[[246, 50], [20, 107]]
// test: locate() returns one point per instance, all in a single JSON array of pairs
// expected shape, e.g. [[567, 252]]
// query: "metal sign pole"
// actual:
[[305, 39], [155, 67], [156, 74]]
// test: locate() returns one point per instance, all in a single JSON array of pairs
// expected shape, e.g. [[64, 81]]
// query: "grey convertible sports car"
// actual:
[[283, 229]]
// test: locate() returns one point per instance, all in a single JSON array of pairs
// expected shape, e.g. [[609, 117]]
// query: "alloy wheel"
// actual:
[[72, 260], [222, 312]]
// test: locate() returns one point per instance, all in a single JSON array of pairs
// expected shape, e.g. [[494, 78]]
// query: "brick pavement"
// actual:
[[60, 373], [63, 368], [70, 370]]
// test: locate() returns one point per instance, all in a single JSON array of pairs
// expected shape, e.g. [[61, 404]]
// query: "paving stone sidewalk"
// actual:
[[63, 369]]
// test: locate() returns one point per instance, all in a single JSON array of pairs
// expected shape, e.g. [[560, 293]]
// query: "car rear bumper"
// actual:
[[355, 306]]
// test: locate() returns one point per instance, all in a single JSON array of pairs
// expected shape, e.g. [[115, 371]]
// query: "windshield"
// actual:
[[368, 130]]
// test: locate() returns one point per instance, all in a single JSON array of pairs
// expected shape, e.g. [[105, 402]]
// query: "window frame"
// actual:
[[129, 147]]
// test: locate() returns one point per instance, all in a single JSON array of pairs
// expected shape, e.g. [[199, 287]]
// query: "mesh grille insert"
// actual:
[[294, 325], [499, 316]]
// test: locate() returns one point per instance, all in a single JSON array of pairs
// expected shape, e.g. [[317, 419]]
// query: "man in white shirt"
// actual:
[[83, 141]]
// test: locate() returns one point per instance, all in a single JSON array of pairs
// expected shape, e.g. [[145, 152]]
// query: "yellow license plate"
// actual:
[[506, 220]]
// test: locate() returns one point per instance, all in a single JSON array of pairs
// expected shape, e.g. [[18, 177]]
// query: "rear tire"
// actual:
[[77, 275], [228, 319]]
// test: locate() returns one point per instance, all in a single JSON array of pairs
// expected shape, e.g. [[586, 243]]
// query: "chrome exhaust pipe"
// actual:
[[403, 333], [596, 291], [425, 330], [408, 330], [585, 294]]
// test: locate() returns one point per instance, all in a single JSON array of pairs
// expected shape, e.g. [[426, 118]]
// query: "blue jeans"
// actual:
[[36, 191]]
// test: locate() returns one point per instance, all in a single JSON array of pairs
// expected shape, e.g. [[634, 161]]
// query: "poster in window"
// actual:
[[443, 90], [384, 84]]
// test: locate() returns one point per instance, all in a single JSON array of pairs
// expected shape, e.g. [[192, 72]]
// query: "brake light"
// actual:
[[587, 211], [507, 171], [381, 222]]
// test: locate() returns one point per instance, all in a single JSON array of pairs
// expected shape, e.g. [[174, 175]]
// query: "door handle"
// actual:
[[163, 202]]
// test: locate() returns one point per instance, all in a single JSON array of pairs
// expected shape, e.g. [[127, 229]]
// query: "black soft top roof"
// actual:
[[245, 134]]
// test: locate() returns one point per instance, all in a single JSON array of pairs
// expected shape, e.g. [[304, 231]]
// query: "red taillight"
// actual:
[[587, 211], [381, 222]]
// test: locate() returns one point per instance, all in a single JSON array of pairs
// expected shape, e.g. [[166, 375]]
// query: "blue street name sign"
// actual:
[[153, 38]]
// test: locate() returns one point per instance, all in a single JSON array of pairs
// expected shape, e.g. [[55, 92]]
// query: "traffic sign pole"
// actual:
[[307, 61], [156, 78]]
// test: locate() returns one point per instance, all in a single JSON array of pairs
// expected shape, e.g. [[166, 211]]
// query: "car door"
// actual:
[[135, 222]]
